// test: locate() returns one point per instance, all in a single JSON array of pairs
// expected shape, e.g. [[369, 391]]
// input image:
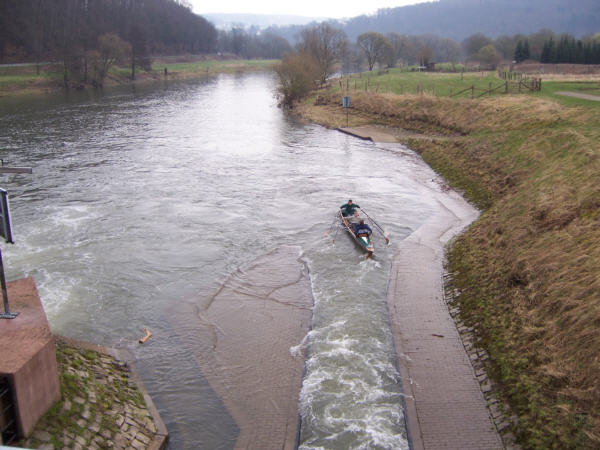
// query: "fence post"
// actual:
[[506, 87], [472, 91], [490, 90]]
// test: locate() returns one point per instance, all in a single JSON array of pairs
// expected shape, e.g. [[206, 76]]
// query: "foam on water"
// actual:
[[351, 395]]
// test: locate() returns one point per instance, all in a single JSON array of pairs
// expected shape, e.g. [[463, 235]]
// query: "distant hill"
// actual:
[[261, 21], [458, 19]]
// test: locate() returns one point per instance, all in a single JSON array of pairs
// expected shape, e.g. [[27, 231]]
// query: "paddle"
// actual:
[[387, 241]]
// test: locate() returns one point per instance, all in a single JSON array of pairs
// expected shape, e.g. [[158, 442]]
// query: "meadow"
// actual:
[[445, 84]]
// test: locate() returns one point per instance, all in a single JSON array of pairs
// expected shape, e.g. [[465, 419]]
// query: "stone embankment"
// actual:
[[103, 404]]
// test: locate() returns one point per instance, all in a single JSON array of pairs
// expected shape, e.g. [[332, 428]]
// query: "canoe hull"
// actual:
[[366, 243]]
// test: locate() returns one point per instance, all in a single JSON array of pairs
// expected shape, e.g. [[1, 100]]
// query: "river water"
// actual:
[[144, 200]]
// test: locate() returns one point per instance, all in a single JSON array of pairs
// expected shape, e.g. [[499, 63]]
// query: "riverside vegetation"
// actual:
[[526, 272], [26, 79]]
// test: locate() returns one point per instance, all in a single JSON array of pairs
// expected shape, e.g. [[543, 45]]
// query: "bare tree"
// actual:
[[326, 45], [111, 48], [375, 46]]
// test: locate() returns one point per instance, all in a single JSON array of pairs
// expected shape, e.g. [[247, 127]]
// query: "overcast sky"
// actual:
[[309, 8]]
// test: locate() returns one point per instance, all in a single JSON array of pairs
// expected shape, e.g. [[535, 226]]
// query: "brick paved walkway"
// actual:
[[445, 405]]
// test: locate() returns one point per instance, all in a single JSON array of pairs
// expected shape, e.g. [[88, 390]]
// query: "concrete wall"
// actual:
[[28, 355], [36, 387]]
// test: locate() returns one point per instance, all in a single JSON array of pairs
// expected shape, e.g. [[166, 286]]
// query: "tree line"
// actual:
[[77, 32], [323, 49], [566, 49]]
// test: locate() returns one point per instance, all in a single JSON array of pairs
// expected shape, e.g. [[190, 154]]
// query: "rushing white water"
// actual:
[[143, 201]]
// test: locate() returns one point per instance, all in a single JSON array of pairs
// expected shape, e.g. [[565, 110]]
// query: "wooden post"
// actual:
[[472, 91], [506, 87], [490, 90]]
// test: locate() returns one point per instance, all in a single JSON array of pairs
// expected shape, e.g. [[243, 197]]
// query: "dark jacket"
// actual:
[[348, 210], [362, 228]]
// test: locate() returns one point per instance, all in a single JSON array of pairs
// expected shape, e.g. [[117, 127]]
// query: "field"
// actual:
[[526, 272], [401, 82]]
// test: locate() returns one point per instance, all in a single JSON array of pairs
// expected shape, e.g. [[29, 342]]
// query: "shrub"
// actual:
[[298, 74]]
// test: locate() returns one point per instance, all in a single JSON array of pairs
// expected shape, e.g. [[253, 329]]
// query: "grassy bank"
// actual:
[[527, 270], [28, 78]]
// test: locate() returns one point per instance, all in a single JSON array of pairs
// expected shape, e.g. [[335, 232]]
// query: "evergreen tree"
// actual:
[[545, 57], [526, 53], [519, 52]]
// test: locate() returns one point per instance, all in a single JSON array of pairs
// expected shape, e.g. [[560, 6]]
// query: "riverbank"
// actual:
[[47, 78], [103, 404], [524, 275]]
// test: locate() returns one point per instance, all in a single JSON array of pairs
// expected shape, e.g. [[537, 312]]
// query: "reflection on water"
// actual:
[[142, 202]]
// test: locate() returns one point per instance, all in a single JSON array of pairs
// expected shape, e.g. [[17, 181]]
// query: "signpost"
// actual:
[[6, 233], [346, 104]]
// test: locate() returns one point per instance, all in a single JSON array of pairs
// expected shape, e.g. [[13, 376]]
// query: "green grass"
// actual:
[[212, 65], [549, 89], [23, 80], [399, 81]]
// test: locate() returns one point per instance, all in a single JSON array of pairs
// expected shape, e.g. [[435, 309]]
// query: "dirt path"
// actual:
[[595, 98]]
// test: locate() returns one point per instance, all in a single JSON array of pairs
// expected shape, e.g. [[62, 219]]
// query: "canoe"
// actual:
[[363, 241]]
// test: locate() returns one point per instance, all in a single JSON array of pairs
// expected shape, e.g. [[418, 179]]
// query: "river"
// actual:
[[144, 200]]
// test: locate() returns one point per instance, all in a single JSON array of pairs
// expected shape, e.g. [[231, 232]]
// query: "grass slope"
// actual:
[[527, 270]]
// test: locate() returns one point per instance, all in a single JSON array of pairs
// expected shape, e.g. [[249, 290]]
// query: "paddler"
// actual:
[[362, 229], [348, 209]]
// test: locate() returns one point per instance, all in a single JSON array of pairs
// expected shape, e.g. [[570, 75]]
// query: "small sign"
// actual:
[[346, 101], [5, 229]]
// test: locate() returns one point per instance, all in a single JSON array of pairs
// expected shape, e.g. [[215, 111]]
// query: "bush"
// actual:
[[298, 75]]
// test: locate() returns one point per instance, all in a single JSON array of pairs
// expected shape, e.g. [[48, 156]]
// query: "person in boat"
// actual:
[[349, 209], [362, 229]]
